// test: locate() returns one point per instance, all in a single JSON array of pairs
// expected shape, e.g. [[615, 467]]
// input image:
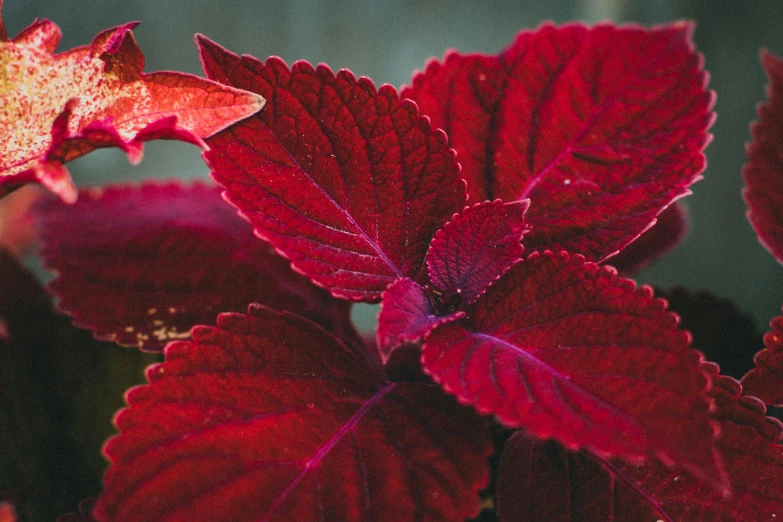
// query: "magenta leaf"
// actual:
[[475, 248], [568, 350], [142, 265], [763, 173], [765, 381], [544, 481], [343, 179], [267, 417], [665, 235], [407, 315], [602, 128]]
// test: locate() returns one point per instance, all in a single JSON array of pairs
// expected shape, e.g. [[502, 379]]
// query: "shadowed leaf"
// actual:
[[142, 265]]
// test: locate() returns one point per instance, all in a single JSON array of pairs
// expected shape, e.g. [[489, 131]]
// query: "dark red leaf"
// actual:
[[765, 381], [85, 512], [142, 265], [346, 181], [407, 315], [476, 247], [57, 107], [671, 228], [544, 481], [570, 351], [7, 512], [724, 333], [55, 381], [763, 173], [601, 128], [267, 417]]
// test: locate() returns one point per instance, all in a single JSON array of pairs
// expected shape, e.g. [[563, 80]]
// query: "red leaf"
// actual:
[[18, 232], [407, 315], [671, 228], [765, 381], [763, 173], [476, 247], [266, 417], [601, 128], [142, 265], [97, 96], [7, 512], [345, 180], [567, 350], [578, 486]]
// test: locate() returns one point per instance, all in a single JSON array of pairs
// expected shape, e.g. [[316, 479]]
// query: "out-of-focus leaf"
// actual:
[[763, 173], [142, 265], [670, 229]]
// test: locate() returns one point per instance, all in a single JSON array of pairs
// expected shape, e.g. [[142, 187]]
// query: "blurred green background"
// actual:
[[388, 40]]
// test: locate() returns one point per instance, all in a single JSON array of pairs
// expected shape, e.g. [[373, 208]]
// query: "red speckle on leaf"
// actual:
[[97, 96], [602, 128], [764, 172], [344, 179], [267, 417], [568, 350], [142, 265]]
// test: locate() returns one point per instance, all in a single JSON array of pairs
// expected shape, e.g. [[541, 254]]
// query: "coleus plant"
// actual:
[[487, 207]]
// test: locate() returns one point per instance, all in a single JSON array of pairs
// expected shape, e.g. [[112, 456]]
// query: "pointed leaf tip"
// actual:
[[353, 203]]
